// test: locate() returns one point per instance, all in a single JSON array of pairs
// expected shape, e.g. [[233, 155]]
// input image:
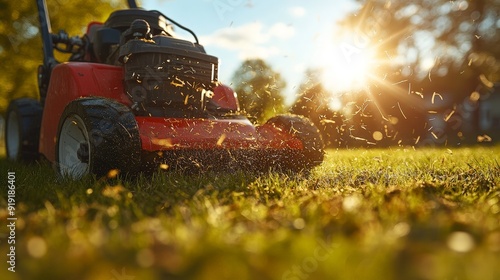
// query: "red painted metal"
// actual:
[[73, 80], [225, 97], [159, 134]]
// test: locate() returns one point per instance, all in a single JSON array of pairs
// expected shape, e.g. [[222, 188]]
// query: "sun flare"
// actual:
[[347, 68]]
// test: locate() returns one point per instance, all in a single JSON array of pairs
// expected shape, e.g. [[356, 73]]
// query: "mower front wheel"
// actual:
[[312, 153], [22, 129], [96, 135]]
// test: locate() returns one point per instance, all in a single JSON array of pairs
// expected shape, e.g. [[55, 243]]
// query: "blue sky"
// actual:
[[291, 35]]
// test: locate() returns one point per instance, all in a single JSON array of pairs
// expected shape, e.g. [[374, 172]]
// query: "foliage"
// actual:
[[359, 118], [314, 102], [20, 43], [259, 89], [460, 36], [363, 214]]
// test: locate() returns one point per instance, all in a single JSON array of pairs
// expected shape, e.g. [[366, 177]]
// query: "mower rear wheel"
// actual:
[[95, 136], [22, 129], [302, 128]]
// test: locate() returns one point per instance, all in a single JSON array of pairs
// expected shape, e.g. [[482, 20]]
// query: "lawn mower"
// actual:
[[134, 97]]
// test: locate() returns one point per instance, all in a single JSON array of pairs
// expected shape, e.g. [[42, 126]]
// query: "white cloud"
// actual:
[[282, 31], [252, 40], [297, 11]]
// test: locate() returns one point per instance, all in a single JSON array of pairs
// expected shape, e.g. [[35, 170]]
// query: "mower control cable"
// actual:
[[179, 25]]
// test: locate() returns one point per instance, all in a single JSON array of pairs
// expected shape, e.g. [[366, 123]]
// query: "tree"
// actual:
[[20, 43], [314, 102], [433, 40], [311, 96], [259, 89]]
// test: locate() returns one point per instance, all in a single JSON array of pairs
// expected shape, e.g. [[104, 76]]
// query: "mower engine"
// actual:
[[166, 77]]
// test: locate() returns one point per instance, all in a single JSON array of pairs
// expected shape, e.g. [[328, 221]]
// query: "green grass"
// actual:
[[363, 214]]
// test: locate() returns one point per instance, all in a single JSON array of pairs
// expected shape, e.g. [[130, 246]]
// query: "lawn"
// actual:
[[363, 214]]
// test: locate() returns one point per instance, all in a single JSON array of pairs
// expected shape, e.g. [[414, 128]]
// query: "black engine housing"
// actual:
[[168, 77]]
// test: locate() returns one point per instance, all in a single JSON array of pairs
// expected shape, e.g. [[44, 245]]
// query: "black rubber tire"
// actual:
[[22, 129], [304, 129], [110, 138]]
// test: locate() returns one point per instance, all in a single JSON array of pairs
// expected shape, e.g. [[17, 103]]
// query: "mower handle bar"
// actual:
[[132, 4]]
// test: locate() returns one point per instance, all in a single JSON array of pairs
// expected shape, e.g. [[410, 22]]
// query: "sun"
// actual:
[[346, 67]]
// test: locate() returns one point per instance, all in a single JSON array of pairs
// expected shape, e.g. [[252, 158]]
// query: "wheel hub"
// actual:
[[74, 154], [83, 152]]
